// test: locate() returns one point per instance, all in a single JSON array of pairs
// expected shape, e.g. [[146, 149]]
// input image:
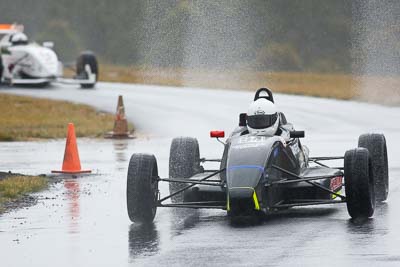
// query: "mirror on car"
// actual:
[[48, 44], [217, 134], [297, 134]]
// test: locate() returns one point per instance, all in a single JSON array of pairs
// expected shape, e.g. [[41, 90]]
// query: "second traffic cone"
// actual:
[[71, 162], [120, 124]]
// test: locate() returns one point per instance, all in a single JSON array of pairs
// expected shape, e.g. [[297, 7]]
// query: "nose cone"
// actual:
[[241, 192], [242, 197], [242, 201]]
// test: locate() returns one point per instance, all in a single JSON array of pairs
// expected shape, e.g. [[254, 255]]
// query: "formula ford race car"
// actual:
[[259, 175], [27, 63]]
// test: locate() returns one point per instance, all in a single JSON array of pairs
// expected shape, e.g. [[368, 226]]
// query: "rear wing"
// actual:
[[11, 28]]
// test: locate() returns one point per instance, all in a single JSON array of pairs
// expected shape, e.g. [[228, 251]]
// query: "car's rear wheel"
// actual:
[[1, 69], [142, 188], [359, 183], [376, 145], [184, 162], [87, 58]]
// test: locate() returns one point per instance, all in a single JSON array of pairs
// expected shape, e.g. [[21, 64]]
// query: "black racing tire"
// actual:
[[376, 145], [359, 183], [142, 188], [1, 69], [184, 162], [87, 58]]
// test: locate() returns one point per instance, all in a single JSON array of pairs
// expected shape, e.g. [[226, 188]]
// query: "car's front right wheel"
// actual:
[[142, 188]]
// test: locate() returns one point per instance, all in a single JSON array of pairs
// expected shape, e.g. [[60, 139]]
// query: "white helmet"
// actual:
[[18, 38], [262, 117]]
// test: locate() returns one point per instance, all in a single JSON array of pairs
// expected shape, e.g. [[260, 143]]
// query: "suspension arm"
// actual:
[[190, 186], [302, 179], [170, 180], [210, 160], [324, 158], [308, 203]]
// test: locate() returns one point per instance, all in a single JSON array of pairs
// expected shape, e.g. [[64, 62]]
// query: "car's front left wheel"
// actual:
[[359, 183], [376, 145]]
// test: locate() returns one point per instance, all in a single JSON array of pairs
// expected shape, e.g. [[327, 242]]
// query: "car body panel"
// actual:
[[249, 162], [32, 61]]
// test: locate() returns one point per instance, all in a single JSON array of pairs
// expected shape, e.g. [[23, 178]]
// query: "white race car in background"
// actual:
[[28, 63]]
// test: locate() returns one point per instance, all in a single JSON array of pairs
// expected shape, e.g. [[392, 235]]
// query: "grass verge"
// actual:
[[14, 187], [26, 118], [381, 89]]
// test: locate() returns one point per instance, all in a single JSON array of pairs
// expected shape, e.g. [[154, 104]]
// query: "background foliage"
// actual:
[[263, 35]]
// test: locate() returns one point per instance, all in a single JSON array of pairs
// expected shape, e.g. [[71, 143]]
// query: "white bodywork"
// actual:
[[32, 63], [30, 60]]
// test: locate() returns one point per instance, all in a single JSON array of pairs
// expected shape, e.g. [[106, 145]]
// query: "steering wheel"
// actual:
[[269, 95]]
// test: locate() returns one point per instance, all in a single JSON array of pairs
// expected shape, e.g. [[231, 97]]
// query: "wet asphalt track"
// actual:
[[83, 222]]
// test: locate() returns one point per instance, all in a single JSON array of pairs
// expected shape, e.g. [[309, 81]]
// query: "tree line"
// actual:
[[262, 35]]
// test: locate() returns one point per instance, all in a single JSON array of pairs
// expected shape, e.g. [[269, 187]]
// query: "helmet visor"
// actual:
[[261, 121]]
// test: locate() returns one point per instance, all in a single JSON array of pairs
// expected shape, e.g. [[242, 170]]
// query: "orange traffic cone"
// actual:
[[71, 163], [120, 124]]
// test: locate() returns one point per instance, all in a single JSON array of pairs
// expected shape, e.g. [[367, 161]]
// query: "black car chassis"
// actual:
[[222, 204]]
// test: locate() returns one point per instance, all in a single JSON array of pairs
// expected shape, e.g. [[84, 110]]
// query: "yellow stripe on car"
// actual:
[[228, 206], [256, 204], [335, 196], [255, 199]]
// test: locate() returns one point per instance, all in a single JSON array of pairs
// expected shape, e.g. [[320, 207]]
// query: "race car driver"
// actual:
[[18, 39], [263, 118]]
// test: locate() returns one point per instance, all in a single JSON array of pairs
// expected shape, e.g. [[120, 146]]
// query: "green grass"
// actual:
[[26, 118], [13, 187], [341, 86], [335, 85]]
